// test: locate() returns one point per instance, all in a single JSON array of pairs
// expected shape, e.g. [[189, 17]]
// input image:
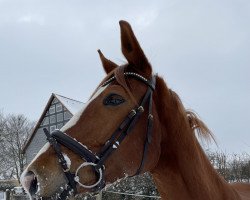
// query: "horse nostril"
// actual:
[[33, 186], [29, 182]]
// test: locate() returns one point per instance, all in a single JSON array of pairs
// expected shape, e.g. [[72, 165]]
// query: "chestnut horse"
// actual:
[[161, 139]]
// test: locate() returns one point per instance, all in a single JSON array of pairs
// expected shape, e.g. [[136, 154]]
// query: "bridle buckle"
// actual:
[[150, 117], [132, 113], [140, 109]]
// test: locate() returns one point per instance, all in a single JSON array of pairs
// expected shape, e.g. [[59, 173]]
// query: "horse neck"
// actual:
[[183, 170]]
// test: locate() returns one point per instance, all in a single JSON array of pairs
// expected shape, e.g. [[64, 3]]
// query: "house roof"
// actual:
[[70, 104]]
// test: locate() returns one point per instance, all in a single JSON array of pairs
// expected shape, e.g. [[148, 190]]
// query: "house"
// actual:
[[56, 114], [6, 185]]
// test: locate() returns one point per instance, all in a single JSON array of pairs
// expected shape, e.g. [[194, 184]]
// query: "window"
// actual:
[[55, 100], [65, 122], [52, 119], [59, 117], [45, 121], [52, 109], [58, 107], [52, 128], [67, 115], [59, 126]]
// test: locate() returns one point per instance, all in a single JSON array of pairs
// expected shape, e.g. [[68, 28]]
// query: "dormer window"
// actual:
[[55, 100], [67, 115], [58, 107], [52, 128], [59, 126], [59, 117], [52, 119], [52, 109], [45, 121]]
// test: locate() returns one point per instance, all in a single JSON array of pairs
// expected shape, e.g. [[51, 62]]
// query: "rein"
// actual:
[[97, 161]]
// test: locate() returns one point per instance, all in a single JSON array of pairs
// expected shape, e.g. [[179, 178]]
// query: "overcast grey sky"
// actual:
[[201, 48]]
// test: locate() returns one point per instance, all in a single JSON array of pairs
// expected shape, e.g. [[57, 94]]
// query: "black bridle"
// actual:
[[97, 161]]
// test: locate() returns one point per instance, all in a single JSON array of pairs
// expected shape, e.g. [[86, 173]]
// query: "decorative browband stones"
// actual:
[[126, 74]]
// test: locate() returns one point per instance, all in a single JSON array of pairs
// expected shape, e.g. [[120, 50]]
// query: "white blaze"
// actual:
[[77, 116]]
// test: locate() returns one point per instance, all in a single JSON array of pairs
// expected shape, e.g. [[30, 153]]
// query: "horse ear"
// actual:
[[108, 65], [132, 51]]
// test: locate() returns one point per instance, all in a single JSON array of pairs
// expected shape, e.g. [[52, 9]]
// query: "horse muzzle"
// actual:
[[30, 183]]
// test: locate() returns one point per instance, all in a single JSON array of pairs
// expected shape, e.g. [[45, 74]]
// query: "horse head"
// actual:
[[118, 131]]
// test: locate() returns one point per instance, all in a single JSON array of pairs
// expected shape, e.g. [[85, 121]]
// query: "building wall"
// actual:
[[36, 144], [56, 116], [1, 195]]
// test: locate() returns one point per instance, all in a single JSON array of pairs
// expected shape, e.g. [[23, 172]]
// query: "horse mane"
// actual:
[[199, 126], [196, 124]]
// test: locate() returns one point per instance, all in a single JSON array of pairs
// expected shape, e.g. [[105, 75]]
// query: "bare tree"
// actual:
[[220, 162], [246, 171], [234, 167], [5, 164], [14, 134]]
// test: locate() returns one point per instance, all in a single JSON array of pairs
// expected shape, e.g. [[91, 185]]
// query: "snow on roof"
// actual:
[[72, 105]]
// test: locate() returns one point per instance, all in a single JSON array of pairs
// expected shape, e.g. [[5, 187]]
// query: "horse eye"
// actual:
[[113, 100]]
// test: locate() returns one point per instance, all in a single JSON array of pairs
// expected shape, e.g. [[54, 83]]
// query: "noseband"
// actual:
[[97, 161]]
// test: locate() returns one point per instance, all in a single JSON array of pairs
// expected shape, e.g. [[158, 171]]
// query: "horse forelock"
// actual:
[[121, 80]]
